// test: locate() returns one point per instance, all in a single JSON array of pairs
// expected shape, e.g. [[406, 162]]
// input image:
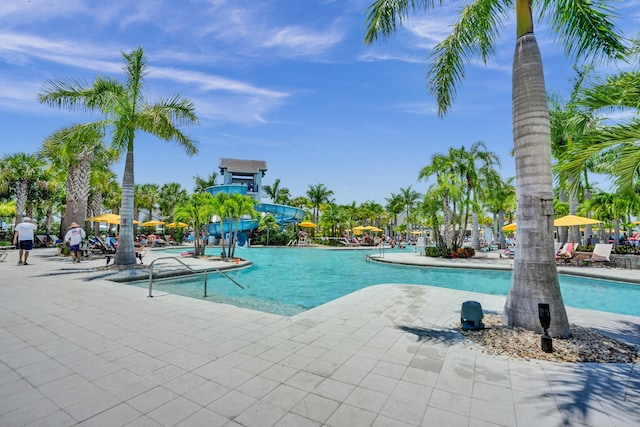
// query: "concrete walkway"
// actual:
[[76, 349]]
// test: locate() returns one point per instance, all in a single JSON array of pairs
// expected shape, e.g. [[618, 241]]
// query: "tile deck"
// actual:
[[76, 349]]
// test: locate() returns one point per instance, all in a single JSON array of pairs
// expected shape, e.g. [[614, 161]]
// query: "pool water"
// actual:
[[288, 281]]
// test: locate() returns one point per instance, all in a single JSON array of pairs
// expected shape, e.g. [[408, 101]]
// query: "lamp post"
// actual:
[[544, 314]]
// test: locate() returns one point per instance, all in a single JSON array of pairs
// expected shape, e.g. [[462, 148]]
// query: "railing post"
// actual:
[[150, 280], [205, 284]]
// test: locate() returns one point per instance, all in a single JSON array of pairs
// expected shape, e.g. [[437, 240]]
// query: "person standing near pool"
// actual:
[[74, 236], [23, 239]]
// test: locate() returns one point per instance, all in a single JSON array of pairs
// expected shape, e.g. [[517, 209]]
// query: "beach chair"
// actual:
[[101, 247], [3, 254], [601, 255]]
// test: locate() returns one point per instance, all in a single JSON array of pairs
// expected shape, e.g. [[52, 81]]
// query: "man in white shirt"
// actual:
[[74, 237], [23, 238]]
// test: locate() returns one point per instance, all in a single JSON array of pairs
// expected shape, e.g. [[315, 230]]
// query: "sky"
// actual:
[[289, 82]]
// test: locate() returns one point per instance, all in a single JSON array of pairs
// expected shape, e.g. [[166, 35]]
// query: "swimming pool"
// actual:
[[288, 281]]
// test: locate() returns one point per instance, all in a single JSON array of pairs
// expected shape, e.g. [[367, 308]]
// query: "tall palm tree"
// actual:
[[318, 194], [19, 173], [408, 198], [126, 111], [394, 207], [584, 30], [73, 151]]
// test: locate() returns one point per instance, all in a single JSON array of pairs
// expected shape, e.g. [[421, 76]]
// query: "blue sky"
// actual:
[[285, 81]]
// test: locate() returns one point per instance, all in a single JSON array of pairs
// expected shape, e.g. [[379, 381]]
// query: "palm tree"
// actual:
[[408, 198], [449, 189], [19, 173], [279, 195], [619, 143], [196, 211], [127, 111], [238, 205], [202, 183], [394, 207], [73, 151], [149, 193], [170, 195], [318, 194], [583, 30], [220, 208], [268, 223]]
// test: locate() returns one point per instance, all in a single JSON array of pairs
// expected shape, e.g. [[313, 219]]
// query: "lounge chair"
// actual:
[[101, 247], [3, 253], [601, 255], [566, 254], [635, 239]]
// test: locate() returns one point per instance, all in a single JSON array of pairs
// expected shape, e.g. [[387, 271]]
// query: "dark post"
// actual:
[[544, 314]]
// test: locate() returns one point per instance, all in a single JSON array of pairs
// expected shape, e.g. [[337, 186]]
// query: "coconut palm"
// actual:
[[126, 111], [318, 194], [19, 173], [73, 151], [584, 31]]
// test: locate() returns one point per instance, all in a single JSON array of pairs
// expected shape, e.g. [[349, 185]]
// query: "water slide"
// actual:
[[283, 214]]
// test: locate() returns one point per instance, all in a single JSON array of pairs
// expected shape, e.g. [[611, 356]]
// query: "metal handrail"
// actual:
[[217, 270]]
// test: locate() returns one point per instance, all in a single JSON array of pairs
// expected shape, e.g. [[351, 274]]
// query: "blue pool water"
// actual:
[[288, 281]]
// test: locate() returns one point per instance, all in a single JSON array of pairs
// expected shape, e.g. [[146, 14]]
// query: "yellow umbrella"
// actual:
[[105, 217], [109, 218], [376, 230], [509, 227], [307, 224], [152, 223], [635, 222], [177, 225], [570, 220]]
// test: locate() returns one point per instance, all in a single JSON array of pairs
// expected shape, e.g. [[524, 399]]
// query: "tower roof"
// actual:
[[243, 166]]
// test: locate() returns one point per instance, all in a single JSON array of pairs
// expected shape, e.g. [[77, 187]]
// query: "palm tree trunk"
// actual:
[[77, 191], [535, 277], [22, 194], [125, 254], [475, 232]]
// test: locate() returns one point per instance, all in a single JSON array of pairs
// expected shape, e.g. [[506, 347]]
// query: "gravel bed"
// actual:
[[583, 345]]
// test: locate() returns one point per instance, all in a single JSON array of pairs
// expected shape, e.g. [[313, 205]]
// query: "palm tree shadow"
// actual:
[[599, 391], [433, 335]]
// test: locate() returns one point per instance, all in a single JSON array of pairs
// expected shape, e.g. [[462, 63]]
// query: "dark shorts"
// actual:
[[74, 248], [25, 245]]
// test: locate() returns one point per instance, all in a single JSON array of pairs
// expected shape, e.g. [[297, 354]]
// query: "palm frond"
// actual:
[[585, 28], [473, 35]]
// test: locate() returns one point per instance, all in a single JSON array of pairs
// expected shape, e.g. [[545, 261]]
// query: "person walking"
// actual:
[[74, 237], [23, 239]]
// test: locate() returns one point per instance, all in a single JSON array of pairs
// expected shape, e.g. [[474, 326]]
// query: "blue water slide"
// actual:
[[227, 188], [284, 214], [243, 225]]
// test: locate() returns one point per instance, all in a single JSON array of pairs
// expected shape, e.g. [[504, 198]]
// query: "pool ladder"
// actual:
[[216, 270]]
